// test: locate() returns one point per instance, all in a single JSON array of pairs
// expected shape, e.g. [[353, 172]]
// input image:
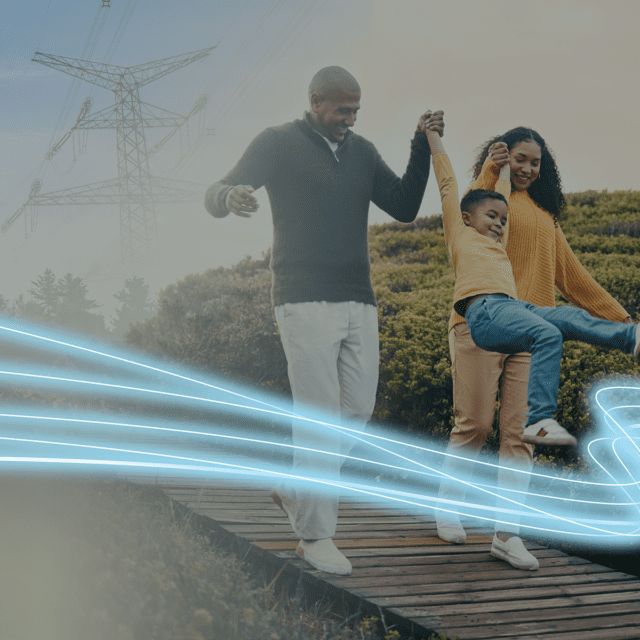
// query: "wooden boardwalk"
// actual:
[[423, 583]]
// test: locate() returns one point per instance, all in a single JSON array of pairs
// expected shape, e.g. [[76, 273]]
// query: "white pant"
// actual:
[[332, 355]]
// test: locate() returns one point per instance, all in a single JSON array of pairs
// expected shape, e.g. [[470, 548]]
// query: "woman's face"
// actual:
[[524, 160]]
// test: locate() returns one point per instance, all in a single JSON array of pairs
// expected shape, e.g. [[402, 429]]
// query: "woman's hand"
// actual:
[[499, 153], [431, 121]]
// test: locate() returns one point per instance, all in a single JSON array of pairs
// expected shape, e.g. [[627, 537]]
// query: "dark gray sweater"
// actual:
[[320, 207]]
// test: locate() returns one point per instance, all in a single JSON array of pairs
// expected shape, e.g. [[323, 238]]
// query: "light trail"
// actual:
[[230, 432]]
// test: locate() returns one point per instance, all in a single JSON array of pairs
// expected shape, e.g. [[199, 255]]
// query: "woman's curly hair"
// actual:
[[546, 190]]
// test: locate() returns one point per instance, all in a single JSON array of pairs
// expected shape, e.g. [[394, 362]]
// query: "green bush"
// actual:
[[222, 319], [593, 243], [592, 211]]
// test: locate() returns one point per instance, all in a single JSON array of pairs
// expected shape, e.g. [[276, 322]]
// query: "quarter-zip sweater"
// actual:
[[320, 207]]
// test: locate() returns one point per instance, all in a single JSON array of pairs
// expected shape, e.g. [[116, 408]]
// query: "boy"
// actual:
[[485, 293]]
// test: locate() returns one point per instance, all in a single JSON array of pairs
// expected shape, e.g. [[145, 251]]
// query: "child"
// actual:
[[485, 294]]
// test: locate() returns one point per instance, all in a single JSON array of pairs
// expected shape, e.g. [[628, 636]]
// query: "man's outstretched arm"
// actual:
[[401, 197], [233, 194]]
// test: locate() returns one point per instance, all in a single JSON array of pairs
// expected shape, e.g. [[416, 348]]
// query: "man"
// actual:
[[320, 178]]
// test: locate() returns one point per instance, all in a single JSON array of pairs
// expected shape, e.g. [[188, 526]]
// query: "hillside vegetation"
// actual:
[[222, 320]]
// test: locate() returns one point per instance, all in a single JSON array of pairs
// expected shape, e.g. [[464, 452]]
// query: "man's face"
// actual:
[[335, 112], [489, 218]]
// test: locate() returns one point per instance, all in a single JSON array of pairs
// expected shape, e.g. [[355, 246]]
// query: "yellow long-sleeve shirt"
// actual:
[[541, 258], [481, 264]]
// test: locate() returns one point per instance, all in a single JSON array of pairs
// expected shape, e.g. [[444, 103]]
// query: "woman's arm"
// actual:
[[576, 284], [503, 187]]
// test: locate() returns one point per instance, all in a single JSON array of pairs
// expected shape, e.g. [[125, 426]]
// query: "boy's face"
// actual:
[[488, 219]]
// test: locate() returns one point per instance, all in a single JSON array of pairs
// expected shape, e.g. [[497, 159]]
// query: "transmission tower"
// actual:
[[135, 190]]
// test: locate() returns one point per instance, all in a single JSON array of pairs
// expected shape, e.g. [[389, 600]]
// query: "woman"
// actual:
[[542, 260]]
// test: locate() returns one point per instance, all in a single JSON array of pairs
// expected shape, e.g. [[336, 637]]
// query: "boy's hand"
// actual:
[[240, 201], [433, 121], [499, 153]]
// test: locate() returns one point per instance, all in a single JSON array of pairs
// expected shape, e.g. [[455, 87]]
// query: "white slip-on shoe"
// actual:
[[324, 555], [287, 504], [514, 552], [451, 531], [548, 431]]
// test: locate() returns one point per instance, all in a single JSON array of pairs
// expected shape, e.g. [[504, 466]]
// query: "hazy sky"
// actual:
[[566, 68]]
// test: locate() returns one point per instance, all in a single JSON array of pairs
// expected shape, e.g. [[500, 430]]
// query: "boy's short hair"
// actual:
[[472, 199]]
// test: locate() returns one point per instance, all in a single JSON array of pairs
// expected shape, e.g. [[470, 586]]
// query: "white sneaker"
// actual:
[[514, 552], [451, 531], [548, 431], [324, 555], [287, 504]]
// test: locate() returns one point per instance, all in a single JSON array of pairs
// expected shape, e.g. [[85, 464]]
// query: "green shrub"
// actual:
[[220, 321], [592, 211]]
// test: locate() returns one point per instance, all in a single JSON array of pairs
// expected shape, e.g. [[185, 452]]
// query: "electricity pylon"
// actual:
[[135, 190]]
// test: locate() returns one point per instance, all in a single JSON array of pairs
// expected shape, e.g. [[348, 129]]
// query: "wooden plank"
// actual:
[[265, 533], [625, 633], [490, 619], [341, 530], [519, 605], [434, 555], [365, 577], [458, 596], [277, 516], [363, 543], [415, 585], [554, 627]]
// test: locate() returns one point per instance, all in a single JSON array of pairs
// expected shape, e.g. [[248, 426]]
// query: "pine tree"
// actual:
[[45, 295], [136, 305], [74, 308]]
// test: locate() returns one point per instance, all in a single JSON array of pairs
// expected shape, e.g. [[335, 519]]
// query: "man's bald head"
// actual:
[[332, 79]]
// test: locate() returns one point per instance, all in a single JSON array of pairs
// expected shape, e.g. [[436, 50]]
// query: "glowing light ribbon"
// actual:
[[238, 434]]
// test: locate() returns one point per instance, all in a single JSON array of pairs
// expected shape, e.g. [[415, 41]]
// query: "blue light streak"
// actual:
[[241, 435]]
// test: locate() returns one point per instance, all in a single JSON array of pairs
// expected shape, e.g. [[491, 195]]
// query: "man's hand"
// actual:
[[434, 121], [240, 201], [499, 153]]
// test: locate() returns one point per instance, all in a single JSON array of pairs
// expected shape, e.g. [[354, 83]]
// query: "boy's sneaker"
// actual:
[[548, 431], [324, 555], [514, 552], [636, 351], [450, 531], [287, 504]]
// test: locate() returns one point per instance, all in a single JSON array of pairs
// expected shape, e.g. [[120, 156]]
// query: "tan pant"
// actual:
[[477, 376]]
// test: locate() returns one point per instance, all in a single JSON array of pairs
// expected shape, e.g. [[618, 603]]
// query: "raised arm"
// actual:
[[451, 215], [490, 172], [401, 197], [503, 187]]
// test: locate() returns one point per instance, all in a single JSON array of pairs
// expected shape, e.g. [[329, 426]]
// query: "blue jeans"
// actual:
[[500, 323]]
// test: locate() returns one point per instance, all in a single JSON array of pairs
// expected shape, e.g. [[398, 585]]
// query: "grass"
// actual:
[[107, 560]]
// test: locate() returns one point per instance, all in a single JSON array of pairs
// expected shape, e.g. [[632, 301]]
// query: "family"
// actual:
[[505, 332]]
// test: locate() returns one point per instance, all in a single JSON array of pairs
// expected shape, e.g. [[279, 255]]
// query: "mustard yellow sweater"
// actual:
[[481, 264], [542, 259]]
